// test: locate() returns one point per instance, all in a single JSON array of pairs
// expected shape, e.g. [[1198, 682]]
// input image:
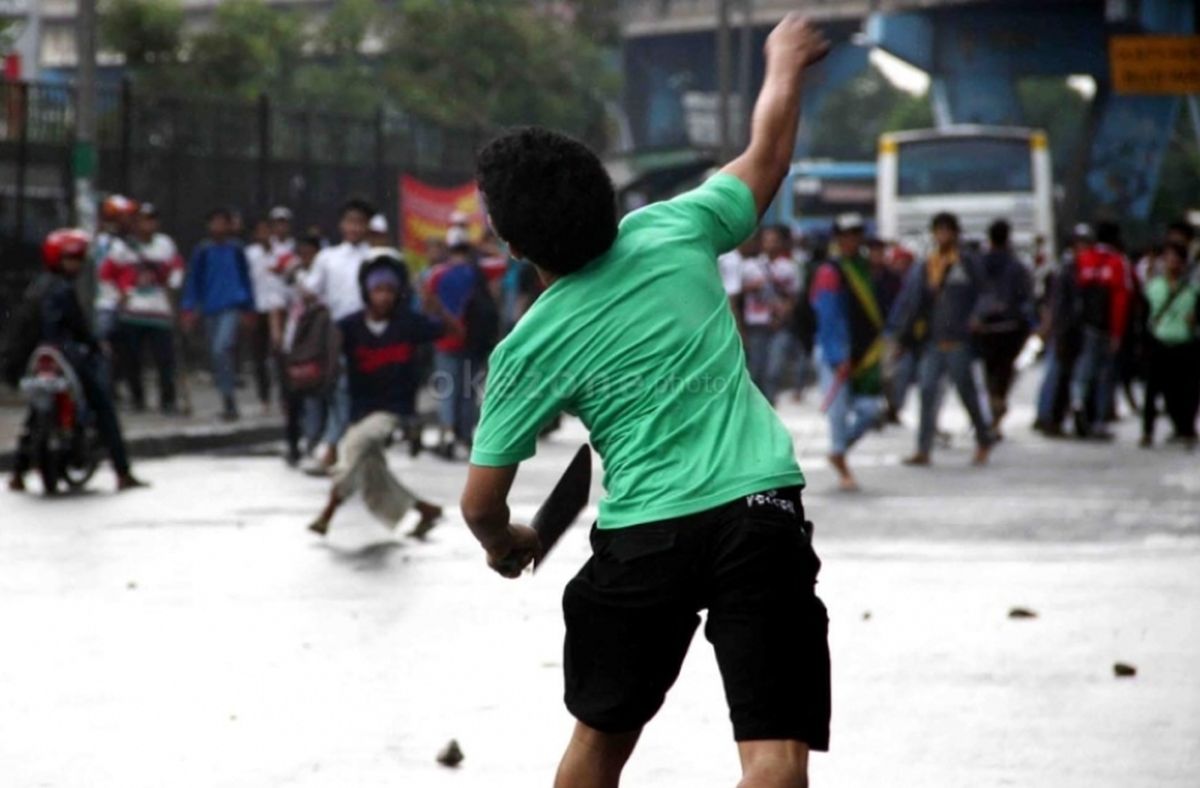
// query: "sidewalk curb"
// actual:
[[185, 441]]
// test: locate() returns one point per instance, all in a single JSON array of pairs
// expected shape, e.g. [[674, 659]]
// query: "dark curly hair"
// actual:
[[944, 219], [548, 196]]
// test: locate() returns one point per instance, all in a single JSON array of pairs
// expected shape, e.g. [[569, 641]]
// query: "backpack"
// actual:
[[481, 316], [311, 366]]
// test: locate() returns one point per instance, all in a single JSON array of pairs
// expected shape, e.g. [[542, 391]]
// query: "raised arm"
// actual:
[[793, 46]]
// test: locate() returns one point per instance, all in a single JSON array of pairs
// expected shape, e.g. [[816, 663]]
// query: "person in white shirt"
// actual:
[[784, 346], [270, 296], [284, 266], [149, 288], [730, 267], [756, 313], [334, 280]]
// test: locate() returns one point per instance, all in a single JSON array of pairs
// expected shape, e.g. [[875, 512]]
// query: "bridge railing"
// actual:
[[651, 17]]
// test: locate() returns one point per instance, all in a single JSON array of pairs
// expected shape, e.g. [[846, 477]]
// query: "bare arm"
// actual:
[[793, 45], [510, 548], [435, 309]]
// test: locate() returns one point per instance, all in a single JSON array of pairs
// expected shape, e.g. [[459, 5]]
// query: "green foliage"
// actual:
[[910, 112], [336, 75], [249, 49], [346, 28], [465, 63], [1050, 104], [144, 32], [1177, 188], [476, 63], [849, 122]]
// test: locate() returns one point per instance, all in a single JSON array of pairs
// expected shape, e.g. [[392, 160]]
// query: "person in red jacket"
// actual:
[[1104, 280]]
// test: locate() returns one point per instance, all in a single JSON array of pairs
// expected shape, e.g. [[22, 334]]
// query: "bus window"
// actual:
[[966, 165], [830, 196]]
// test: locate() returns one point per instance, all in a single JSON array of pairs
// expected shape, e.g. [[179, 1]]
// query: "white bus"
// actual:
[[979, 173]]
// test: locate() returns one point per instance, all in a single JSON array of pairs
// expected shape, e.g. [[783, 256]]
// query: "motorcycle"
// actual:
[[61, 434]]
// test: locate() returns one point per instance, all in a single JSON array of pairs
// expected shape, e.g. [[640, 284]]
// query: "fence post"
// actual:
[[126, 141], [380, 159], [264, 152], [22, 153]]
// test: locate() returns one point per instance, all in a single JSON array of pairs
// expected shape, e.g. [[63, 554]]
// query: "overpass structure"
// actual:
[[975, 52]]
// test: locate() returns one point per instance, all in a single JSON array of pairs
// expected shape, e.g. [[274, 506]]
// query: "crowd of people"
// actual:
[[330, 334], [327, 333], [868, 320], [284, 310]]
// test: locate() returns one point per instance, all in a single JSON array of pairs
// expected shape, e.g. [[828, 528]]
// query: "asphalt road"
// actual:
[[195, 634]]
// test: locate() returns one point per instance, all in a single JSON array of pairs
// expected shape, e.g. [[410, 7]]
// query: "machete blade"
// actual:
[[566, 501]]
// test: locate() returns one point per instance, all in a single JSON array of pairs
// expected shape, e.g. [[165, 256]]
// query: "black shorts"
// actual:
[[633, 608]]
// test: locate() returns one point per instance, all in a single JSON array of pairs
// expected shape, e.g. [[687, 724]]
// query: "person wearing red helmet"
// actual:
[[112, 248], [144, 269], [58, 319]]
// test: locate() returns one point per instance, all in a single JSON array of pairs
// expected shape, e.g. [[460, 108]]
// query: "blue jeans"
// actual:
[[903, 377], [782, 346], [454, 388], [758, 346], [222, 328], [1094, 374], [337, 415], [1050, 376], [956, 362], [850, 415]]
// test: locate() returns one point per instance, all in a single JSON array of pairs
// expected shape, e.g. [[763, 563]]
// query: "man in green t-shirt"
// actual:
[[702, 508], [1172, 349]]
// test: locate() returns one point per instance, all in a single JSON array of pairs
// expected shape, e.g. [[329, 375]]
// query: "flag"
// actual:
[[425, 215]]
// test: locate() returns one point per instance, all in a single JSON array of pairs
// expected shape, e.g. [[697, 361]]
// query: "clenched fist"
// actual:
[[796, 43]]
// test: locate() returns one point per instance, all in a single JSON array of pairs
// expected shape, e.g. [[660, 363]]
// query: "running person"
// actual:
[[703, 509]]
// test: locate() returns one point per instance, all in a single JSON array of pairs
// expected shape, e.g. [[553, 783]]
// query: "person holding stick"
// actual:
[[850, 338], [703, 502]]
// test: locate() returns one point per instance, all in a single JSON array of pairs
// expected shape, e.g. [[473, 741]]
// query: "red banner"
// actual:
[[425, 213]]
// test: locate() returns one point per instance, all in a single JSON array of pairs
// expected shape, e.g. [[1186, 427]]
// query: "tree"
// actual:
[[250, 49], [1179, 175], [1050, 104], [144, 32], [471, 64], [480, 63], [849, 122], [346, 27], [337, 75], [910, 112]]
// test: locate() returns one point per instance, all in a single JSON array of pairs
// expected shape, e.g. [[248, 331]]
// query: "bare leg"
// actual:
[[780, 763], [594, 759], [321, 524], [846, 480], [430, 514], [981, 456]]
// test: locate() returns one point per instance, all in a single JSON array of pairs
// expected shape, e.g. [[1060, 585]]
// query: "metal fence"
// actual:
[[188, 155]]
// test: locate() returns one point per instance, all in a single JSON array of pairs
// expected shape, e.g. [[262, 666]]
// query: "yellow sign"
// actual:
[[1155, 65]]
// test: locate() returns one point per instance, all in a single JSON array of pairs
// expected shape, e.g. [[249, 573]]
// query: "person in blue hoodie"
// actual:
[[218, 286]]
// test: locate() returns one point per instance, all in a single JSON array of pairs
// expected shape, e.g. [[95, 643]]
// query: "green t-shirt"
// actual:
[[641, 345], [1171, 323]]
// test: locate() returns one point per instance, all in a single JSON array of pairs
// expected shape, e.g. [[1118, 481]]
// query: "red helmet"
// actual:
[[116, 206], [67, 242]]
